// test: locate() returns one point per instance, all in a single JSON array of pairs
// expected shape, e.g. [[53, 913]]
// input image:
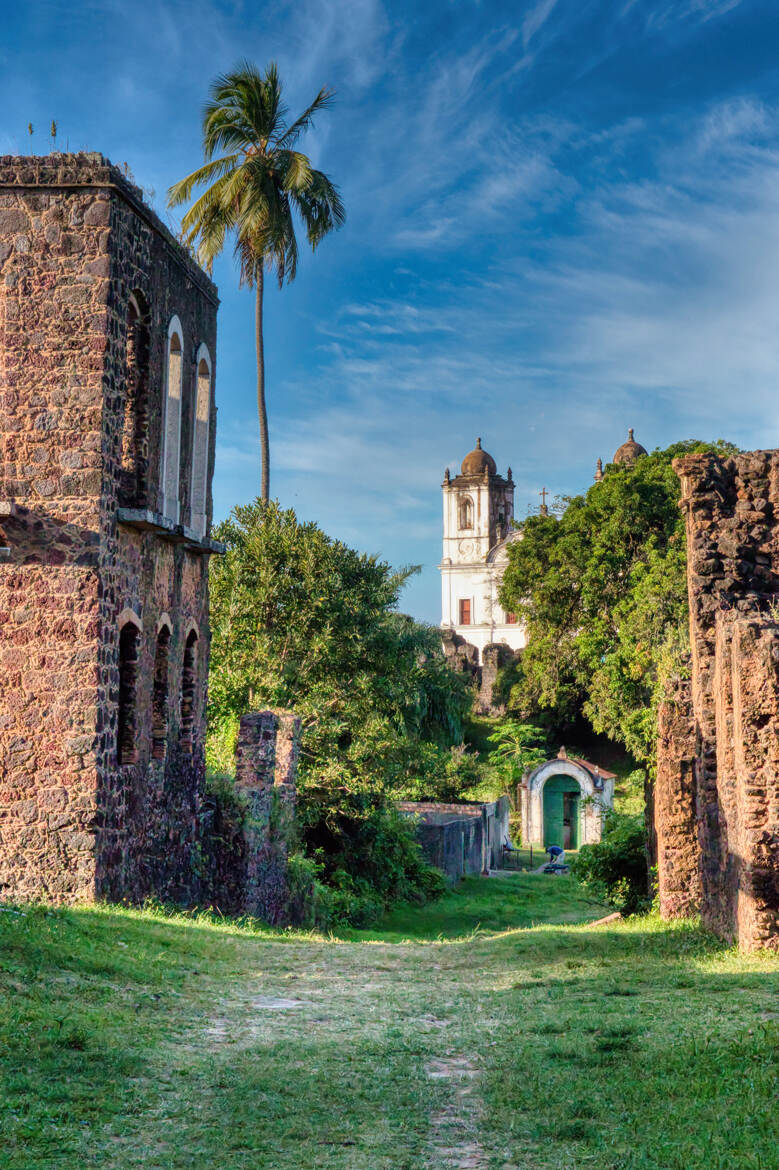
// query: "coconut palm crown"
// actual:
[[255, 189]]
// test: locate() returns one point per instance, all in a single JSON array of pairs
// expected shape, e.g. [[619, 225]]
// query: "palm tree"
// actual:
[[254, 190]]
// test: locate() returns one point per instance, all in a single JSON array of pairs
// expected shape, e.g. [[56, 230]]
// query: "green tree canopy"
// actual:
[[300, 620], [602, 589]]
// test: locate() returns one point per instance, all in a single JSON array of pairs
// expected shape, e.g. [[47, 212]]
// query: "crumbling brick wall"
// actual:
[[464, 657], [495, 656], [732, 713], [678, 852], [248, 828], [80, 503]]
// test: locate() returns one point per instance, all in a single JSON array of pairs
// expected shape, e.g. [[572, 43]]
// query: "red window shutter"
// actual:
[[511, 619], [465, 613]]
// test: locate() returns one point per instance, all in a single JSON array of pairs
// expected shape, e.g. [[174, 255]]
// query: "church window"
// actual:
[[465, 612], [466, 513], [135, 429], [200, 441], [159, 711], [129, 640], [172, 425], [188, 680]]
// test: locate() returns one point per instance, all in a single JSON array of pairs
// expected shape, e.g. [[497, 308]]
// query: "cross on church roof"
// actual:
[[543, 494]]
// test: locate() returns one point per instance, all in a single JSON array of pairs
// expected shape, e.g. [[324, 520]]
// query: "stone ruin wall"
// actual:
[[246, 840], [717, 792], [75, 241], [464, 658]]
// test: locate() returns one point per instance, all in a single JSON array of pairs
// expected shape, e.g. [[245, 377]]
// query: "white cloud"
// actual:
[[535, 18]]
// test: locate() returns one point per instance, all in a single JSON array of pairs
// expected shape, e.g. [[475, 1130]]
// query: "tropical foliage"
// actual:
[[519, 746], [302, 621], [614, 869], [602, 590], [256, 184]]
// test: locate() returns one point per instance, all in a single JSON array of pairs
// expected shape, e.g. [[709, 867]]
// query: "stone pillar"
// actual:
[[733, 577], [267, 755], [678, 851], [255, 753], [752, 812]]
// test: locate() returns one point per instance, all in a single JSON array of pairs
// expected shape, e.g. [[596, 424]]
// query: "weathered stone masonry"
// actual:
[[247, 845], [718, 757], [90, 281]]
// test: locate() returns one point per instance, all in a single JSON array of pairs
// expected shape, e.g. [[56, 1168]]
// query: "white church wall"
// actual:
[[469, 570]]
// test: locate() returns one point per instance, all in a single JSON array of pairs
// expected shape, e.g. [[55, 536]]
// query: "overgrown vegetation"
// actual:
[[518, 748], [302, 621], [602, 590], [614, 870]]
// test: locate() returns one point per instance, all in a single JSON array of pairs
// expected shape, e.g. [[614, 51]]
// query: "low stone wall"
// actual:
[[717, 793], [461, 839]]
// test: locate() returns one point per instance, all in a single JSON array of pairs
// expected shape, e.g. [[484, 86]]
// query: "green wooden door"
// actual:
[[561, 812]]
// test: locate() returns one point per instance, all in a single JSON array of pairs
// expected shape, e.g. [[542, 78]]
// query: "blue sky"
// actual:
[[563, 220]]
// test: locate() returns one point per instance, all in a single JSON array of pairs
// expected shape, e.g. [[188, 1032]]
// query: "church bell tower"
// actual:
[[478, 510]]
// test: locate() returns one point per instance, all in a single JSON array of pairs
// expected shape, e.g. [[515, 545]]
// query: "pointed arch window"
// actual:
[[172, 429], [465, 519], [188, 684], [159, 710], [135, 430], [200, 441], [127, 721]]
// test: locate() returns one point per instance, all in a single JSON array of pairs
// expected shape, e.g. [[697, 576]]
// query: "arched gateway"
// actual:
[[563, 802]]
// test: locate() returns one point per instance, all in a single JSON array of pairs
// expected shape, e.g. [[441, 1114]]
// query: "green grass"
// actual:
[[518, 901], [525, 1037]]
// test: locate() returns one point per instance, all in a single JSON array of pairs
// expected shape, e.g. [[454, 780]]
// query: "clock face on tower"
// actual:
[[466, 548]]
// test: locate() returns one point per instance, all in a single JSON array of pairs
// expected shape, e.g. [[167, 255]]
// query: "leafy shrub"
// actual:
[[304, 890], [365, 850], [220, 746], [615, 869], [443, 774]]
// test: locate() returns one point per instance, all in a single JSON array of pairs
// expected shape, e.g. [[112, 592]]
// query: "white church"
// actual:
[[478, 514], [478, 511]]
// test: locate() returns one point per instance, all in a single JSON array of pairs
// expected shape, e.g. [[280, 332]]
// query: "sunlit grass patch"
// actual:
[[137, 1038]]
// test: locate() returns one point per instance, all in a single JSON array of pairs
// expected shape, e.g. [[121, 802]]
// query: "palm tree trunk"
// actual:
[[262, 409]]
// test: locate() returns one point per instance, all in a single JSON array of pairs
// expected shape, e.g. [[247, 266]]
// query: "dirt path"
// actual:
[[134, 1041], [389, 1024]]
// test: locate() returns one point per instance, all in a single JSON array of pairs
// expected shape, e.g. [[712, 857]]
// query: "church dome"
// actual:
[[478, 461], [629, 451]]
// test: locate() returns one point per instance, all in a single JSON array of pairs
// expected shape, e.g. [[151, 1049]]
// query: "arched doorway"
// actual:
[[562, 808], [563, 802]]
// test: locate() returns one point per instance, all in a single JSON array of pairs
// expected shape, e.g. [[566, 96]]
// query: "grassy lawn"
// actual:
[[478, 905], [504, 1032]]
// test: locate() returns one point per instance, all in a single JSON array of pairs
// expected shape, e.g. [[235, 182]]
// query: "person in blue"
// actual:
[[556, 861]]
